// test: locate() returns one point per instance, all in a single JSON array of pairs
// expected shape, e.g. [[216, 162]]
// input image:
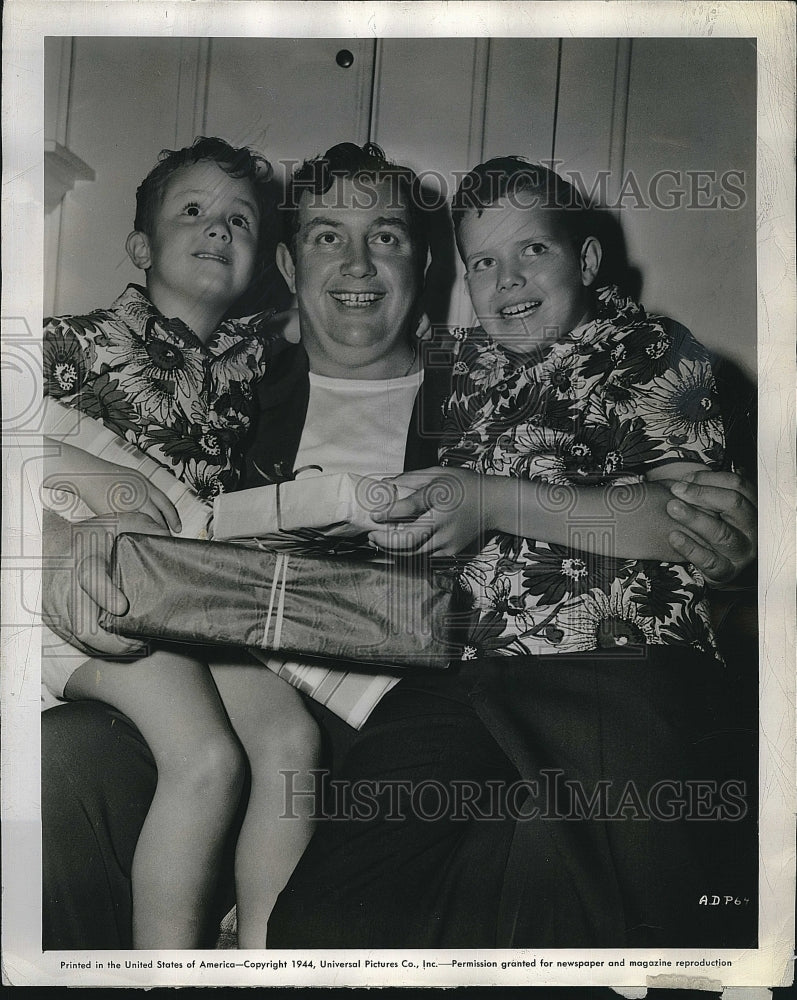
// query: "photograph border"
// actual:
[[26, 23]]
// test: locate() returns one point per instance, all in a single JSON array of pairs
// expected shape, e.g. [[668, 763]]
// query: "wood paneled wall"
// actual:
[[441, 105]]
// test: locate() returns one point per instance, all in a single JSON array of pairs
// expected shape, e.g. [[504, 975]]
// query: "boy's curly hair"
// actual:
[[238, 162], [266, 288]]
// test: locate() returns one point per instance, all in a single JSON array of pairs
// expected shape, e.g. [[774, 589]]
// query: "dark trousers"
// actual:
[[460, 815], [400, 860], [618, 795], [98, 779]]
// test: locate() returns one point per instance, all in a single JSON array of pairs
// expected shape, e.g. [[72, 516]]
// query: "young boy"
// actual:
[[565, 398], [592, 646], [161, 370]]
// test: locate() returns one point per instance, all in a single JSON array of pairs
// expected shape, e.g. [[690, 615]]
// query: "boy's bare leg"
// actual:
[[278, 735], [174, 703]]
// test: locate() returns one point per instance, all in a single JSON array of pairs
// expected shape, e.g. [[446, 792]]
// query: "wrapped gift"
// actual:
[[376, 613], [304, 511]]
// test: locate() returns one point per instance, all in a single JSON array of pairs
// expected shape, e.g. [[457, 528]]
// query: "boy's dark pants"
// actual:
[[431, 854]]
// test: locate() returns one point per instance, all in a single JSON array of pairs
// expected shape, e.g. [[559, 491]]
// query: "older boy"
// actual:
[[572, 410]]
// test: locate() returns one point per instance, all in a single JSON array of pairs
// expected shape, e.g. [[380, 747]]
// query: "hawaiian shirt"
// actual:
[[152, 381], [620, 395]]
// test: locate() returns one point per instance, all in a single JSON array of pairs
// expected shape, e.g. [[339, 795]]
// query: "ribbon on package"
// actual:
[[373, 613]]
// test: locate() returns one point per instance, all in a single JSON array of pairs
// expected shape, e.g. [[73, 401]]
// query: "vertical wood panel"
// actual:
[[446, 104], [521, 92], [424, 97], [51, 246], [692, 107], [288, 97], [57, 76], [374, 90], [121, 114], [478, 101], [429, 108], [619, 125], [587, 117], [192, 89]]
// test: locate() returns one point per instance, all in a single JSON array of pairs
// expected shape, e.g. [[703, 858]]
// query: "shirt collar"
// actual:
[[141, 315], [138, 312], [613, 310]]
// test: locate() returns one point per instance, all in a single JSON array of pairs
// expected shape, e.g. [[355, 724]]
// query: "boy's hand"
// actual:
[[286, 324], [719, 517], [424, 329], [94, 541], [441, 517]]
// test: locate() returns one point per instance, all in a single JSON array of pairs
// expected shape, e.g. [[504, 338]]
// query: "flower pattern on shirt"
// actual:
[[153, 382], [159, 369], [620, 395]]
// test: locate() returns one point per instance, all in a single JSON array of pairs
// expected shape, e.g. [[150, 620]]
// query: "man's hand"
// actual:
[[717, 511], [76, 581], [441, 517], [447, 511]]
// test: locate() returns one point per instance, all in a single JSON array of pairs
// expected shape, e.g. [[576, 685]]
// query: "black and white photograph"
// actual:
[[421, 614]]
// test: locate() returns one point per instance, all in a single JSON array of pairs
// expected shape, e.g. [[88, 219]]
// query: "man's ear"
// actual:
[[591, 256], [138, 250], [286, 266]]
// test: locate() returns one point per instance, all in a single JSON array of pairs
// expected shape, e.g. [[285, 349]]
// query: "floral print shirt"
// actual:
[[622, 394], [152, 381]]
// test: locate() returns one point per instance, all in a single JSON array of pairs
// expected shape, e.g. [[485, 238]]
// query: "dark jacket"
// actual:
[[282, 401]]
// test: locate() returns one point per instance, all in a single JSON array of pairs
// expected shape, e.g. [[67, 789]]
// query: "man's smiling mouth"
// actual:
[[208, 255], [357, 300], [520, 309]]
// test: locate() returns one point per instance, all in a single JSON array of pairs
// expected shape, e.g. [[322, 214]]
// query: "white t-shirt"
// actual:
[[360, 426], [357, 425]]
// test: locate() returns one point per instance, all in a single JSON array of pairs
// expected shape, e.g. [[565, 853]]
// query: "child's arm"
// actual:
[[106, 488], [451, 507], [64, 425], [628, 521]]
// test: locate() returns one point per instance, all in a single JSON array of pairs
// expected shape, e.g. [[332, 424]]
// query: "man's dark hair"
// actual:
[[366, 164], [529, 185], [237, 162]]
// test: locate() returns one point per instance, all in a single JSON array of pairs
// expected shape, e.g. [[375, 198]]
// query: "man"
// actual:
[[352, 395]]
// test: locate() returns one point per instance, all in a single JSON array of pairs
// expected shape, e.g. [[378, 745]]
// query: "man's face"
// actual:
[[203, 244], [527, 281], [356, 273]]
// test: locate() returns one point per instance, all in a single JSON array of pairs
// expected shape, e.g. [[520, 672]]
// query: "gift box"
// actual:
[[303, 513], [375, 613]]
